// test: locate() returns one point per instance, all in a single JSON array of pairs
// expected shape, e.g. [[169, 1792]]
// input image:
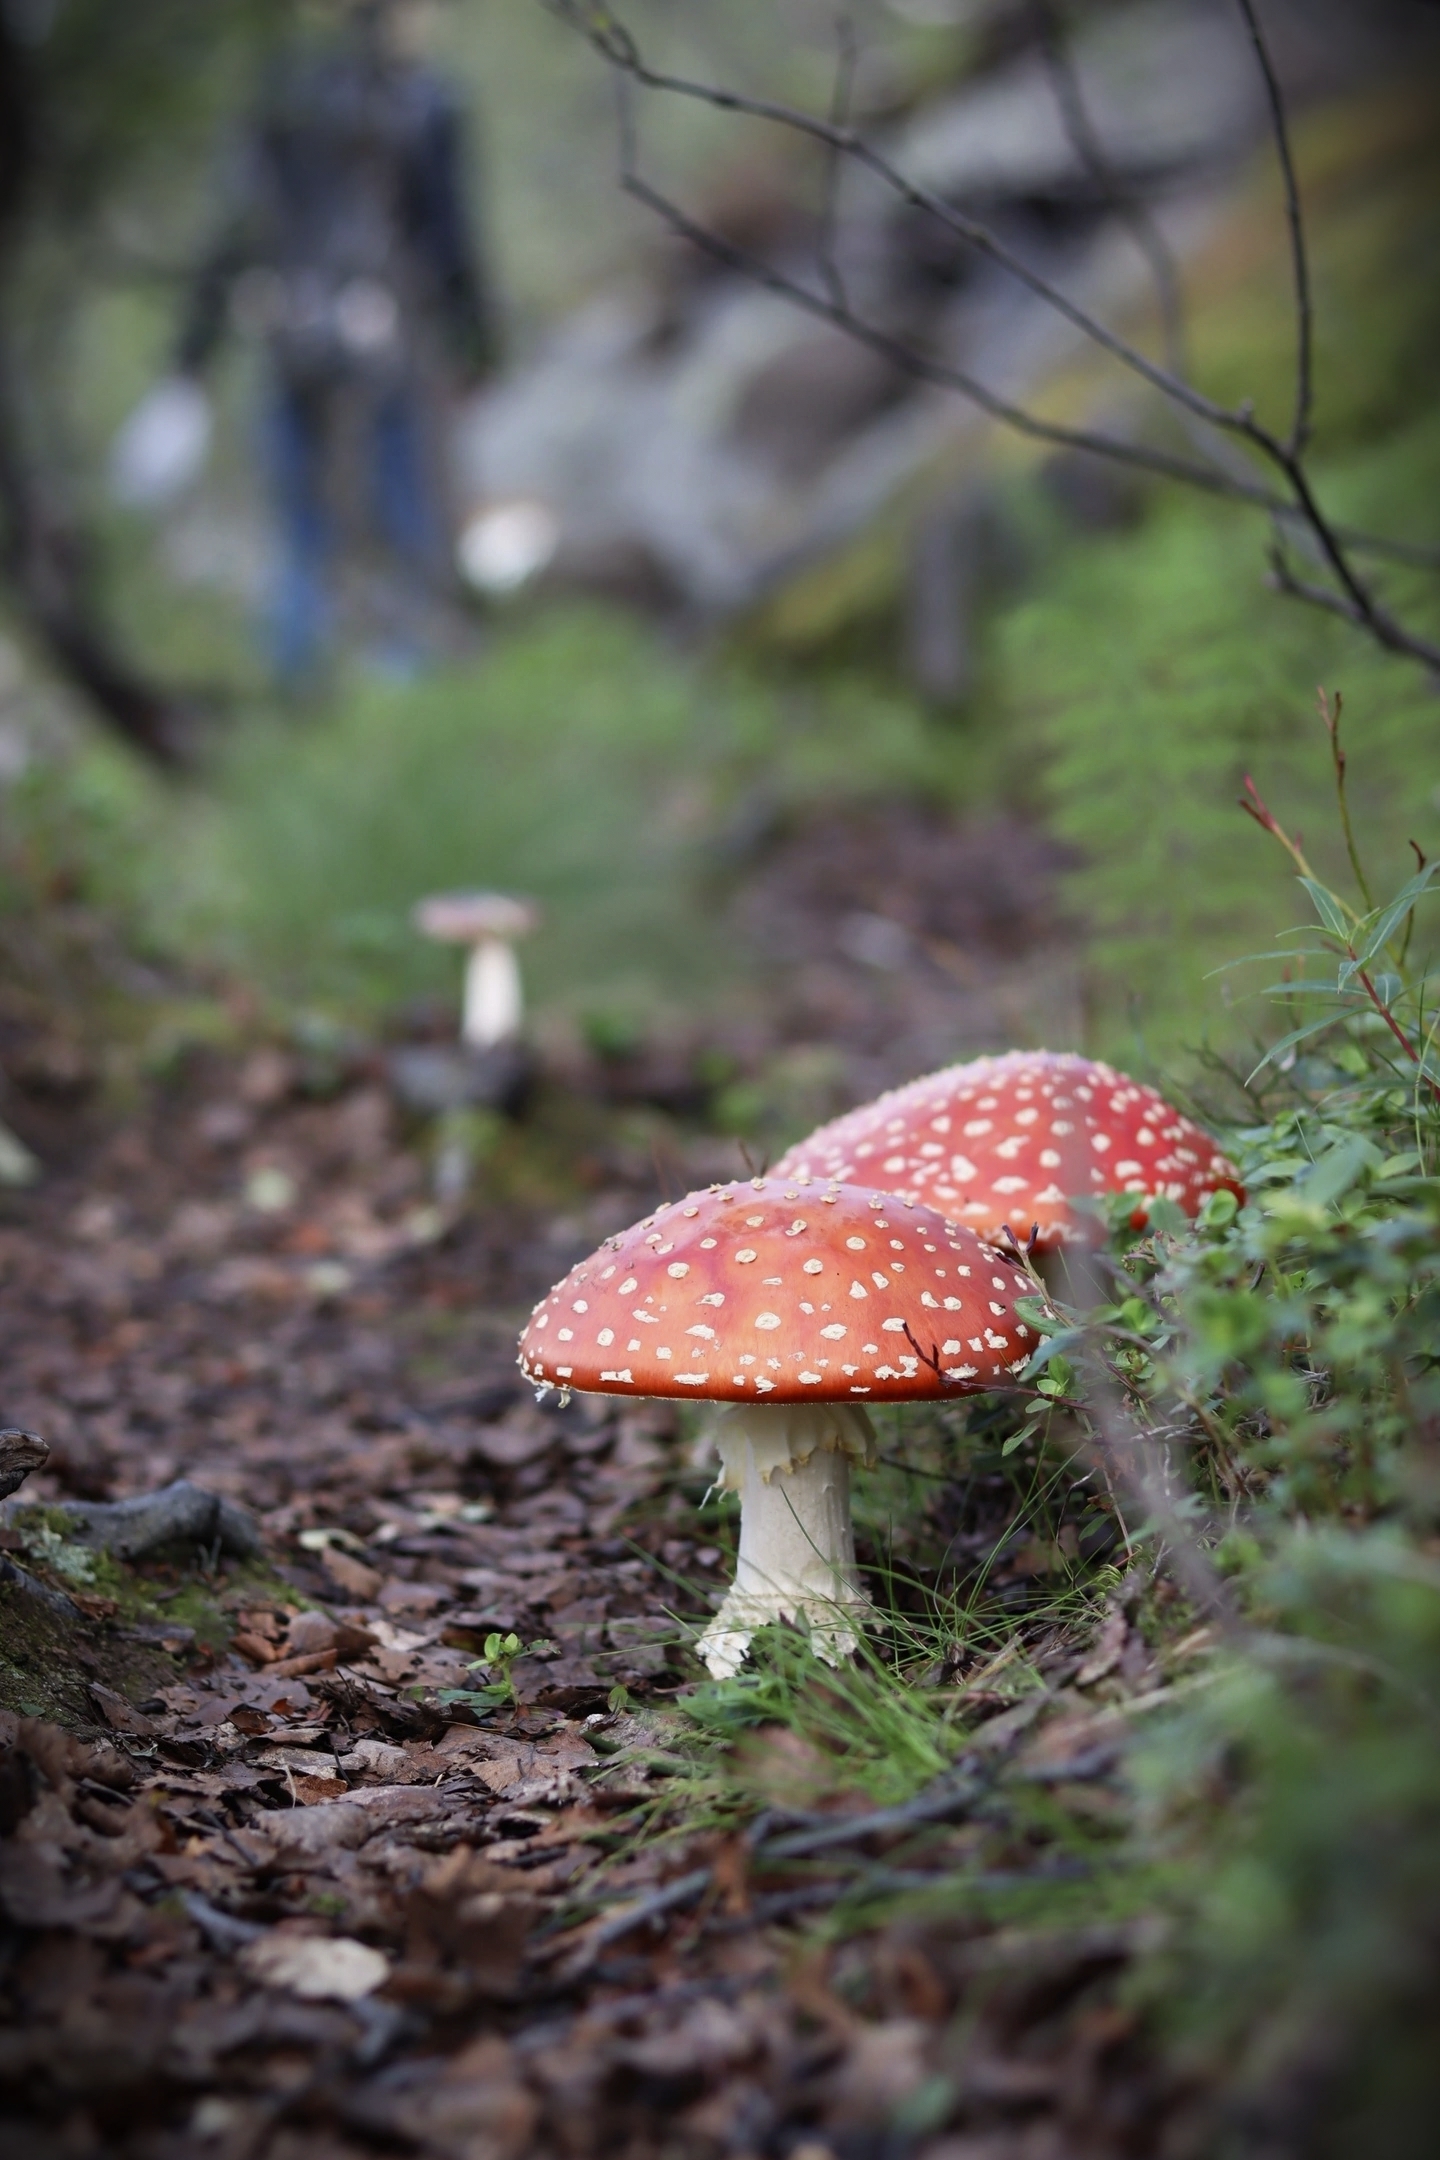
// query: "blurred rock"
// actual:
[[430, 1078], [698, 444]]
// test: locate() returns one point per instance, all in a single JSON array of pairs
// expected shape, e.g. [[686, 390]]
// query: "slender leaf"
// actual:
[[1053, 1346], [1332, 913], [1281, 952], [1377, 930], [1296, 1035], [1337, 1170], [1311, 986]]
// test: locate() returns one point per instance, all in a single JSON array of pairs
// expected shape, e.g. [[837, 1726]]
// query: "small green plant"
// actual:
[[497, 1663]]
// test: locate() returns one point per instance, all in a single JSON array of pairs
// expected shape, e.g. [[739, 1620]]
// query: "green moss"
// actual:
[[47, 1660]]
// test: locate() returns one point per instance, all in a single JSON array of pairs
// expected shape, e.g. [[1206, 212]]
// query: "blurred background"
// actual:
[[391, 503]]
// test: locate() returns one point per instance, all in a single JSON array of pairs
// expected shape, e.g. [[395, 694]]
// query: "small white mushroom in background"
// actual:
[[796, 1313], [488, 923]]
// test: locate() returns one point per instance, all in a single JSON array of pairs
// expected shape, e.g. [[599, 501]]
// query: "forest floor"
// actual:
[[272, 1890]]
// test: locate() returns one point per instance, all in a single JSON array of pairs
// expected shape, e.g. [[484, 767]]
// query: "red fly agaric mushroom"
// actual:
[[1010, 1142], [489, 924], [795, 1312]]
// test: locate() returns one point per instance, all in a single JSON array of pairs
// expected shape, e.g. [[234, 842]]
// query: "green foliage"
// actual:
[[48, 1548], [1293, 1810], [1155, 671], [1153, 668], [577, 762], [1279, 1365], [891, 1738], [498, 1692], [1262, 1390]]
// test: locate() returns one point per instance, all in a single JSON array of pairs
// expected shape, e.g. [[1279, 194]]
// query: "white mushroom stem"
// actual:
[[790, 1464], [493, 1002]]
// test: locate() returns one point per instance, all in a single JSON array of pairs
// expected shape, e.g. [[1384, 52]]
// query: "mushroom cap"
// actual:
[[463, 918], [1010, 1141], [758, 1292]]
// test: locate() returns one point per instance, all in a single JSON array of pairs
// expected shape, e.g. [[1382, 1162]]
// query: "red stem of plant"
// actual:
[[1394, 1026]]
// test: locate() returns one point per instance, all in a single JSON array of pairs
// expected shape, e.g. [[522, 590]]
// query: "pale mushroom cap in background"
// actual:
[[464, 918]]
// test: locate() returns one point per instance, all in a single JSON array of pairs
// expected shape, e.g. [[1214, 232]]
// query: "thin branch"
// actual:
[[622, 52], [1387, 632], [953, 1793], [846, 55], [1129, 1459], [1381, 625], [1362, 976], [48, 563], [942, 373], [1413, 552], [1330, 711], [1084, 140], [1300, 269]]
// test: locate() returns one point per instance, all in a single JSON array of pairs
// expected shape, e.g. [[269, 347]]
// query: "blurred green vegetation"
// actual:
[[1154, 672], [1153, 668], [1122, 693], [580, 762]]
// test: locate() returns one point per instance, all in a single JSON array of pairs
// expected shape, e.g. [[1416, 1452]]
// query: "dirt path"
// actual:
[[268, 1892], [272, 1890]]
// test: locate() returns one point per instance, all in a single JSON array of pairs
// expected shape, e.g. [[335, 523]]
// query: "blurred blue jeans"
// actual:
[[299, 421]]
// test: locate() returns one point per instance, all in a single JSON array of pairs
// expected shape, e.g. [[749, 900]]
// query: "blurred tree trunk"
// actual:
[[44, 555]]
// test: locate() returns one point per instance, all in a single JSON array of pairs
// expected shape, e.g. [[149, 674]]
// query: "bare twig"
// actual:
[[954, 1793], [846, 55], [1086, 143], [1304, 312], [945, 376], [931, 1363], [1330, 711], [1130, 1461]]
